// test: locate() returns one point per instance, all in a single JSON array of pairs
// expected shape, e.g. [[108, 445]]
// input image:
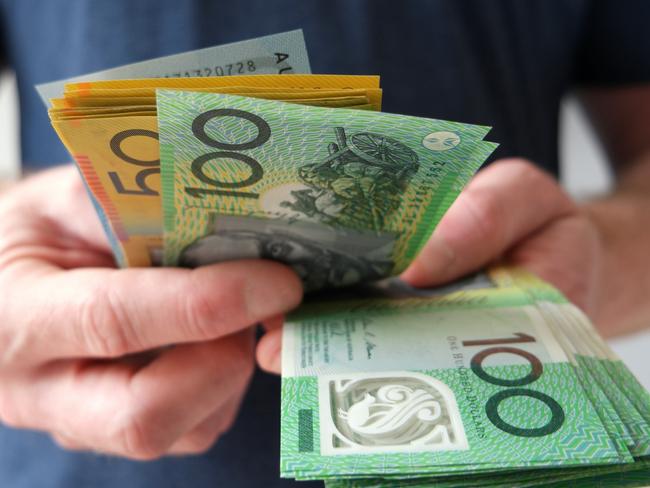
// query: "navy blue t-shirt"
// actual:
[[501, 63]]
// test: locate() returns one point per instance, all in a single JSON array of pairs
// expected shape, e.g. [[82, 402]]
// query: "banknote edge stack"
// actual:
[[596, 366]]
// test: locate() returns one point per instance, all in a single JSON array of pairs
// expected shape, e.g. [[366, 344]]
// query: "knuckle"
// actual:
[[64, 442], [487, 214], [9, 413], [137, 437], [201, 441], [102, 325], [205, 313], [241, 354], [540, 181]]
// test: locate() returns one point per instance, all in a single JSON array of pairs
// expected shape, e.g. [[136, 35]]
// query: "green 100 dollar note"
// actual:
[[341, 195], [467, 382]]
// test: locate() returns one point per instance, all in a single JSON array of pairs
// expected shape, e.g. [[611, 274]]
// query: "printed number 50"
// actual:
[[150, 167]]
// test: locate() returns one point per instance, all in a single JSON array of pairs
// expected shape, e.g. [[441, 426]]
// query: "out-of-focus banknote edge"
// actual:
[[285, 51]]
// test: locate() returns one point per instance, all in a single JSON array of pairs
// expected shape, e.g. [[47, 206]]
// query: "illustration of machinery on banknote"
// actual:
[[361, 181]]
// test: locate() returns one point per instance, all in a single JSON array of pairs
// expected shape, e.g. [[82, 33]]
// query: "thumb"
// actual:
[[502, 205], [95, 312]]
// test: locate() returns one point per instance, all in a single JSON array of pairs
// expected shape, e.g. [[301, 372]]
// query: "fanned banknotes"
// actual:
[[475, 386], [117, 153], [113, 137], [342, 196], [362, 213]]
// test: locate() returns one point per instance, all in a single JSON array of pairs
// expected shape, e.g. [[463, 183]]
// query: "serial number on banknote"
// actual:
[[240, 68]]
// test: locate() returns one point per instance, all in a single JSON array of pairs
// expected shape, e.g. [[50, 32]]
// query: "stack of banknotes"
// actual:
[[495, 381], [265, 163], [238, 152]]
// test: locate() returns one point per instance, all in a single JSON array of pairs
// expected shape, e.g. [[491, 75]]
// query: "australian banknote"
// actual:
[[342, 196]]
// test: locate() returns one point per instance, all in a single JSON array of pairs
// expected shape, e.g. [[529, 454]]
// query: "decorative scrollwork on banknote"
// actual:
[[388, 412]]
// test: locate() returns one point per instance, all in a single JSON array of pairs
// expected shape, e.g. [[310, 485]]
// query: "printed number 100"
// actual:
[[514, 385], [227, 151]]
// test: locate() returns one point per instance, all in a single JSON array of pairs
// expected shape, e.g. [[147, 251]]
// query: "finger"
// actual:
[[202, 437], [138, 414], [269, 351], [273, 323], [25, 234], [109, 313], [67, 443], [204, 377], [70, 198], [502, 205], [565, 253]]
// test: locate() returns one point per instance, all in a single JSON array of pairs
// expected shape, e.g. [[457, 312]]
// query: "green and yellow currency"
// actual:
[[116, 150], [115, 97], [625, 400], [631, 475], [342, 196], [277, 54]]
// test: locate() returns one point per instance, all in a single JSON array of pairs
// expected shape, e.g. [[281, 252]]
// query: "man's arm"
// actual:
[[621, 117]]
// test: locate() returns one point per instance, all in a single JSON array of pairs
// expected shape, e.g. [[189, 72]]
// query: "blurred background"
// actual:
[[584, 168]]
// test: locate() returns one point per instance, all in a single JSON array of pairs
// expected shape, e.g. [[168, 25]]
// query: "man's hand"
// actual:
[[513, 211], [77, 337]]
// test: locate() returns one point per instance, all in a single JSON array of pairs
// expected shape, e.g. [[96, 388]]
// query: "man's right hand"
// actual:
[[74, 331]]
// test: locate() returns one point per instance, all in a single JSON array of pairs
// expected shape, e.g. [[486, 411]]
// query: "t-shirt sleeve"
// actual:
[[615, 43]]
